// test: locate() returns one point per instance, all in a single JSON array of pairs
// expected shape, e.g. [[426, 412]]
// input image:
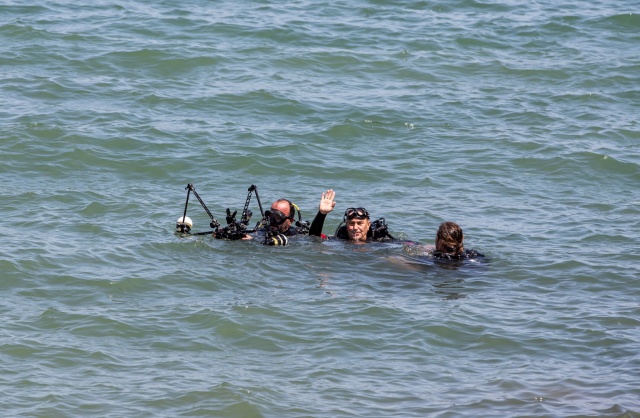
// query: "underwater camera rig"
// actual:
[[235, 229]]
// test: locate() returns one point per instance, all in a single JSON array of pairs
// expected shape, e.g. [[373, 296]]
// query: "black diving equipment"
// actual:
[[234, 230], [276, 240], [276, 217], [360, 213]]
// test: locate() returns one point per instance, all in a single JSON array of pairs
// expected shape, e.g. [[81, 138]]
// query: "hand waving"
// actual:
[[326, 201]]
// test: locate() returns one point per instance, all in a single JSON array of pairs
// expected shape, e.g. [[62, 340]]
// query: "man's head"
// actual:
[[358, 223], [281, 215]]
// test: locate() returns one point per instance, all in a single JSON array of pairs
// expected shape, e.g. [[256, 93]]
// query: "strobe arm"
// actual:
[[184, 224], [214, 222]]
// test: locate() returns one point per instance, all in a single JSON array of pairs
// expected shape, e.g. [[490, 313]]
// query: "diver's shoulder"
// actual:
[[466, 254], [472, 254]]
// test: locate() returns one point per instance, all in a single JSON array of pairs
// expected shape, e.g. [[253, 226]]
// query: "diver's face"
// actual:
[[357, 229], [280, 221]]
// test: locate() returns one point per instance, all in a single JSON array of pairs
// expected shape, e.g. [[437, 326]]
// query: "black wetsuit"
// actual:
[[316, 225], [290, 232], [467, 254]]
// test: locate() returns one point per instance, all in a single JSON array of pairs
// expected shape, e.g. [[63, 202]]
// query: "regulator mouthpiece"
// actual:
[[184, 224]]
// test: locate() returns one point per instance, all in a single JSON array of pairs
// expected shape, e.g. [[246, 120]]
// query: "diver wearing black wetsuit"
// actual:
[[280, 226], [450, 243], [377, 230], [355, 225]]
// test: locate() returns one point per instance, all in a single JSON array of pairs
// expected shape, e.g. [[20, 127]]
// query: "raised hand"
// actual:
[[326, 201]]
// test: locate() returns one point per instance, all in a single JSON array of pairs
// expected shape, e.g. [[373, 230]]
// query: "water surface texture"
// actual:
[[518, 120]]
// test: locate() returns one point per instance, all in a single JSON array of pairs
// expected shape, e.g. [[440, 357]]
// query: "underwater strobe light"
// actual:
[[184, 224]]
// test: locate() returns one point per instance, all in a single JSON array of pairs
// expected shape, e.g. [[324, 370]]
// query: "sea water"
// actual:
[[519, 121]]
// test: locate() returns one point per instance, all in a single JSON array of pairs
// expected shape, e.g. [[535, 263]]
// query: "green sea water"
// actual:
[[517, 121]]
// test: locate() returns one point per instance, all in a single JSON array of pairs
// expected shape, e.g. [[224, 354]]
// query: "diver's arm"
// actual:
[[316, 225], [327, 203]]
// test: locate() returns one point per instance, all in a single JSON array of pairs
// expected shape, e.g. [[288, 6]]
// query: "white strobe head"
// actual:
[[184, 221]]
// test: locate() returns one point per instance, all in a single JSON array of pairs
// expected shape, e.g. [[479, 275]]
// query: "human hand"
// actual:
[[326, 202]]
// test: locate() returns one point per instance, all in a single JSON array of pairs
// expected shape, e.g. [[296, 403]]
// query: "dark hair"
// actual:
[[449, 239]]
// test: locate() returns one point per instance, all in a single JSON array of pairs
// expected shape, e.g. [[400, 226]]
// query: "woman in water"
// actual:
[[450, 245]]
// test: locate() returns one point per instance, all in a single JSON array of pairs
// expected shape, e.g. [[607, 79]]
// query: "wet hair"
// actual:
[[449, 239]]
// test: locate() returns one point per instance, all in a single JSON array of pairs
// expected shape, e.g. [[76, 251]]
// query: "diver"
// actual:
[[280, 223], [356, 225], [450, 243], [281, 217]]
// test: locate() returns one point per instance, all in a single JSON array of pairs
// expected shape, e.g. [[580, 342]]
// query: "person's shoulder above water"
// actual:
[[470, 254]]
